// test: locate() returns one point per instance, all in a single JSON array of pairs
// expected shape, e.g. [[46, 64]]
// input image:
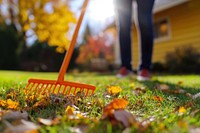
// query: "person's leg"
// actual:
[[123, 9], [146, 32]]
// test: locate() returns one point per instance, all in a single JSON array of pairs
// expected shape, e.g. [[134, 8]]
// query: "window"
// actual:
[[162, 30]]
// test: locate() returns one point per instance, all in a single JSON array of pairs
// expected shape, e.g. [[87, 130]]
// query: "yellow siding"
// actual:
[[185, 30]]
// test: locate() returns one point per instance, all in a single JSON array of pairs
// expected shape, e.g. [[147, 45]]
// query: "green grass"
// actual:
[[161, 116]]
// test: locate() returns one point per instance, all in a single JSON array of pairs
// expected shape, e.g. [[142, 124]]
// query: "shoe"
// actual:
[[144, 75], [124, 72]]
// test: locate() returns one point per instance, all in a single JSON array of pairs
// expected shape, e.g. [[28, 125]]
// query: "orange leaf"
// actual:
[[157, 98], [114, 105], [12, 104]]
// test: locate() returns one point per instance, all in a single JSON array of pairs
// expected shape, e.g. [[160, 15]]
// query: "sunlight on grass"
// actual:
[[164, 104]]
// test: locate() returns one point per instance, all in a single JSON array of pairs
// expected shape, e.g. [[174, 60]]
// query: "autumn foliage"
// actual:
[[48, 20], [96, 47]]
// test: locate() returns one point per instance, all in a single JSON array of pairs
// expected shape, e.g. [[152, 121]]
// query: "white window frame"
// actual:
[[169, 36]]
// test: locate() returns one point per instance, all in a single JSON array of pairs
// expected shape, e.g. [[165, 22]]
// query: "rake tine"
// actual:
[[64, 89], [45, 89], [59, 88], [75, 91], [40, 89], [87, 92], [49, 90], [69, 90], [92, 92], [54, 88], [32, 85], [27, 88], [35, 89]]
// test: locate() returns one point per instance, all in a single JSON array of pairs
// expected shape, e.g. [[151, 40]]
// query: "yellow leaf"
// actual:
[[182, 124], [12, 104], [132, 85], [3, 103], [114, 89], [69, 110], [181, 110]]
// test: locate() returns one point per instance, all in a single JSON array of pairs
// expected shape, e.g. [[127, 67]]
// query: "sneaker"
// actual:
[[144, 75], [124, 72]]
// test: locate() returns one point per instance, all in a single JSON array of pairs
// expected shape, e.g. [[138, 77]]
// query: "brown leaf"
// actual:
[[158, 98], [23, 127], [139, 90], [162, 87], [49, 122], [196, 96], [180, 82], [15, 115], [125, 117]]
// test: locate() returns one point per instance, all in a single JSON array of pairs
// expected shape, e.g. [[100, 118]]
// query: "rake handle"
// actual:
[[69, 53]]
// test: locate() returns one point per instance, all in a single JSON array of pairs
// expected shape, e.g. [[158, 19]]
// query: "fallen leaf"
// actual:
[[3, 103], [162, 87], [132, 85], [180, 82], [114, 105], [139, 90], [182, 124], [196, 96], [69, 110], [49, 122], [194, 113], [181, 110], [13, 115], [12, 104], [125, 117], [114, 89], [23, 127], [158, 98]]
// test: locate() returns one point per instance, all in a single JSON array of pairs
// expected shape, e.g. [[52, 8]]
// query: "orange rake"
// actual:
[[40, 86]]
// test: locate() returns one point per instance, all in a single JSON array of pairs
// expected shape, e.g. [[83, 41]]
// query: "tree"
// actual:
[[97, 47], [48, 20]]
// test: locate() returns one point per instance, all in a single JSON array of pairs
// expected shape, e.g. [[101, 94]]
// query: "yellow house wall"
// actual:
[[184, 22]]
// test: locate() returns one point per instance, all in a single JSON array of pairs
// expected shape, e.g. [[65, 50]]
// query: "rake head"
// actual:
[[39, 86]]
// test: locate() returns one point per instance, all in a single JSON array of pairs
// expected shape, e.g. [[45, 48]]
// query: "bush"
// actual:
[[183, 60], [158, 67], [40, 57], [8, 47]]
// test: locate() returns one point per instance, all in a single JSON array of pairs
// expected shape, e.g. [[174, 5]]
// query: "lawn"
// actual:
[[167, 103]]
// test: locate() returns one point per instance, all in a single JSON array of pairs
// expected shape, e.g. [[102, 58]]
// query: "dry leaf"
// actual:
[[15, 115], [23, 127], [49, 122], [181, 110], [114, 105], [125, 117], [182, 124], [114, 89], [196, 96], [162, 87], [139, 90], [3, 103], [69, 110], [132, 85], [158, 98], [180, 82]]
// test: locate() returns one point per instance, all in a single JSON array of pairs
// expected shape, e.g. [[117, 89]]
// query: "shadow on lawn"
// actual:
[[182, 98]]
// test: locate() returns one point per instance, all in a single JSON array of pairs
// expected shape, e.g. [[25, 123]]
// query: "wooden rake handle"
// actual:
[[69, 53]]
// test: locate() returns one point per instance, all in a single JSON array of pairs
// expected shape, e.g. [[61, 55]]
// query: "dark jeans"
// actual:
[[124, 14]]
